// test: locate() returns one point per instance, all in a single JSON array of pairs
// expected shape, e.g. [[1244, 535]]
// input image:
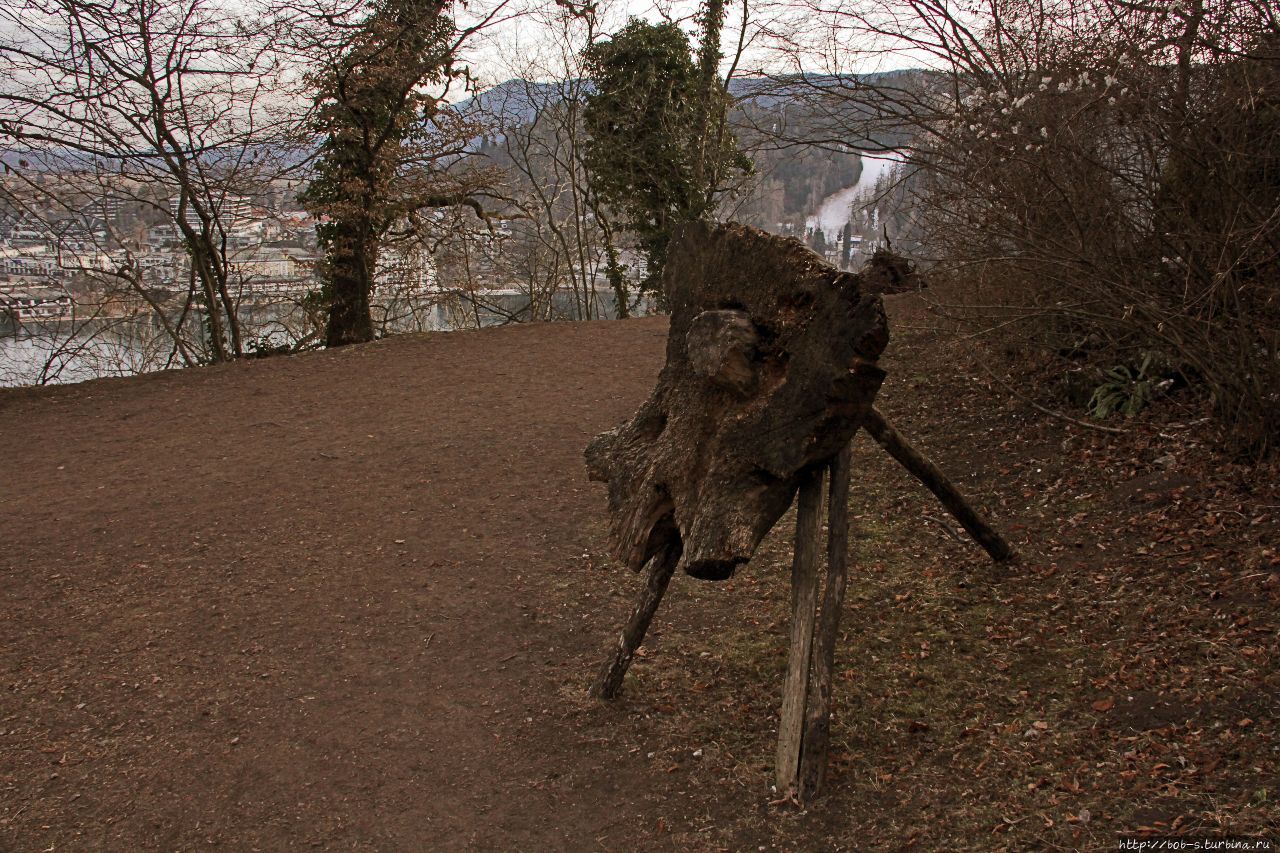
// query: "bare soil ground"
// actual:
[[353, 599]]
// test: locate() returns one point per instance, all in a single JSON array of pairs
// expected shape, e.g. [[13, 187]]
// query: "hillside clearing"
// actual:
[[354, 598]]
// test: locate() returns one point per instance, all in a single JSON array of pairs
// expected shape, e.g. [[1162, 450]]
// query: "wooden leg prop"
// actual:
[[804, 601], [817, 733], [661, 568], [935, 481]]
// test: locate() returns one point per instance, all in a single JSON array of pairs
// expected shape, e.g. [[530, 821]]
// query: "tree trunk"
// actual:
[[617, 281], [710, 108], [351, 262]]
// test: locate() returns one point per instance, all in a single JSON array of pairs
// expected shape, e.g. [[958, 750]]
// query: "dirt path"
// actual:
[[305, 600], [353, 599]]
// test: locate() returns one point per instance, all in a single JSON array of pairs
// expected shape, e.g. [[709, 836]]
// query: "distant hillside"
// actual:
[[776, 119]]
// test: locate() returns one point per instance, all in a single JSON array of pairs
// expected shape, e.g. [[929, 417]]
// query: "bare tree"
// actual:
[[177, 108], [564, 238], [1103, 171]]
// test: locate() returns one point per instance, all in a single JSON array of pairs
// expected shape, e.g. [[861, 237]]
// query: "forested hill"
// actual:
[[793, 127]]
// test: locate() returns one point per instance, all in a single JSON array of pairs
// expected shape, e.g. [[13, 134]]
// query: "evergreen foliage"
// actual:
[[648, 122], [373, 113]]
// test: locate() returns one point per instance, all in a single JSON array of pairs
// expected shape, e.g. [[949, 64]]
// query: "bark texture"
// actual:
[[770, 370], [817, 731], [804, 611]]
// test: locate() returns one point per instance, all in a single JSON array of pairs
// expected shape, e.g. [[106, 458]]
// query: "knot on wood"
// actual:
[[722, 349]]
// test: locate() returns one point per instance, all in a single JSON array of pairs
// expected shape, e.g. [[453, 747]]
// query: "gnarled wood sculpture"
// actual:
[[770, 371]]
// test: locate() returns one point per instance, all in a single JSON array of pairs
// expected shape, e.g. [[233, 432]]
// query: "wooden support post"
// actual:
[[661, 567], [804, 602], [935, 481], [817, 732]]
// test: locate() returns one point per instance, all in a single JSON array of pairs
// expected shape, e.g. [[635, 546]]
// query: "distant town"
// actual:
[[54, 260], [96, 272]]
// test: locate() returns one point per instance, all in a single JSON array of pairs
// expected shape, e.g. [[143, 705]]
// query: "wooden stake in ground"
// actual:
[[935, 481], [804, 602], [817, 730], [661, 567]]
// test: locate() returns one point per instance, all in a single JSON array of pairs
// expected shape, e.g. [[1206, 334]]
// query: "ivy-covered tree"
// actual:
[[654, 150], [384, 136]]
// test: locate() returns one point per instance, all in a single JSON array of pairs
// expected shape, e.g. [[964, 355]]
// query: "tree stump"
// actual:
[[770, 371]]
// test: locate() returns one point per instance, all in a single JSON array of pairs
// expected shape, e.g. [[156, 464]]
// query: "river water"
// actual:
[[833, 213], [67, 352], [57, 352]]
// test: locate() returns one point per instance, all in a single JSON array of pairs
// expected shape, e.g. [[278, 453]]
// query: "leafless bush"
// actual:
[[1105, 172], [173, 109], [1114, 170]]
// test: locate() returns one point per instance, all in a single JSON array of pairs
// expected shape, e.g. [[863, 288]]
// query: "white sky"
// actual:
[[529, 42]]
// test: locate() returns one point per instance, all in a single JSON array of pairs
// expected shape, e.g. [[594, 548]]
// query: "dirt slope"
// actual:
[[302, 600], [352, 600]]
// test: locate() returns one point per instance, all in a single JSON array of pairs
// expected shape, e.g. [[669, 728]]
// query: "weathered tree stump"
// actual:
[[770, 371]]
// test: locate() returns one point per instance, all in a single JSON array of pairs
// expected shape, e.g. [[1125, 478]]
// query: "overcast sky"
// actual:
[[527, 42]]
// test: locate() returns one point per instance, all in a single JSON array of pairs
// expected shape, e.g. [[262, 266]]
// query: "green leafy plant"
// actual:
[[1124, 390]]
